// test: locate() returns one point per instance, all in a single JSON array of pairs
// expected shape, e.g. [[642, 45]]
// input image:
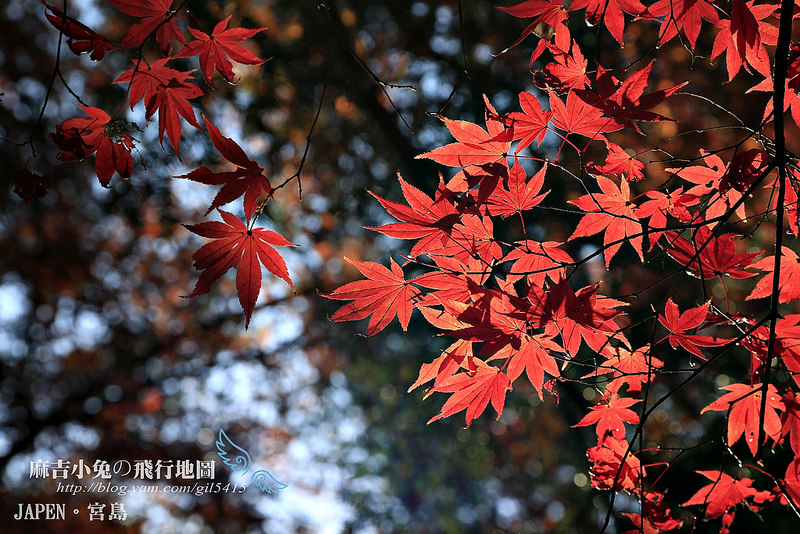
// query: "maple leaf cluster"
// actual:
[[516, 308], [163, 89], [97, 134], [166, 93]]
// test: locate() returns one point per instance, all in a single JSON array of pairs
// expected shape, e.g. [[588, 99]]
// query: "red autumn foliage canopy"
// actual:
[[519, 305]]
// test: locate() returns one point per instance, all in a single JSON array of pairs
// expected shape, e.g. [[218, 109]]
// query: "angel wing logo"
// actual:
[[266, 482], [238, 459], [232, 455]]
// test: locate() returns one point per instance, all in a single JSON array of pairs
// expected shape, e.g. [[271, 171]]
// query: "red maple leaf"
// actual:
[[791, 481], [245, 248], [473, 237], [609, 12], [724, 493], [29, 186], [494, 317], [789, 279], [717, 257], [155, 15], [791, 183], [166, 90], [679, 324], [114, 152], [786, 347], [531, 357], [453, 358], [248, 179], [659, 205], [633, 368], [80, 38], [790, 421], [146, 79], [626, 102], [474, 145], [745, 168], [444, 319], [516, 193], [793, 71], [383, 295], [740, 37], [657, 516], [537, 261], [787, 337], [472, 185], [472, 391], [173, 100], [79, 137], [744, 403], [575, 116], [566, 71], [531, 124], [686, 15], [575, 316], [792, 97], [426, 219], [550, 12], [607, 466], [618, 163], [610, 212], [549, 23], [610, 417], [708, 180], [453, 281], [216, 50]]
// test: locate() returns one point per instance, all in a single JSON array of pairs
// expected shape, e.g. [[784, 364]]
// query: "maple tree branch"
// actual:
[[779, 89], [305, 150], [49, 92], [75, 95], [715, 104], [335, 23], [463, 72]]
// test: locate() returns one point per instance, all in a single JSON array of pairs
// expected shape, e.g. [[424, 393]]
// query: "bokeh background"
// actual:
[[102, 358]]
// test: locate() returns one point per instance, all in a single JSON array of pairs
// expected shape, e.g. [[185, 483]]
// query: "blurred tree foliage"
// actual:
[[101, 358]]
